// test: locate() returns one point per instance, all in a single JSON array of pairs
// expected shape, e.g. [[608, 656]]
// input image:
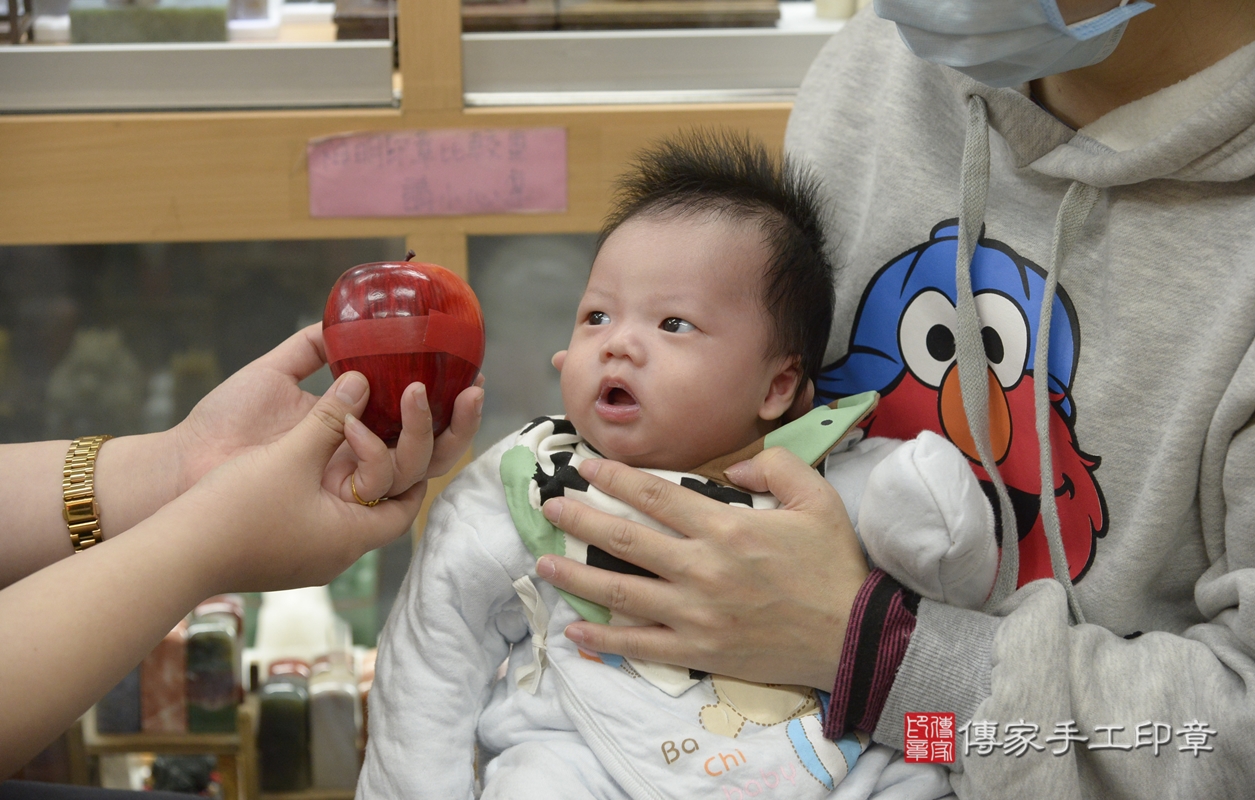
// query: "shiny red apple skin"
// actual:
[[390, 290]]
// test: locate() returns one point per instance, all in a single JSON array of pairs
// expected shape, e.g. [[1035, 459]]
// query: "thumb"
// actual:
[[316, 438], [776, 470]]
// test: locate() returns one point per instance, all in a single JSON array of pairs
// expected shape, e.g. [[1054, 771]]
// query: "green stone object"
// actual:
[[104, 22], [206, 720], [283, 734]]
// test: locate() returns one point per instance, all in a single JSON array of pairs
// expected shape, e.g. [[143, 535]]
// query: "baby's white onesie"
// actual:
[[566, 723]]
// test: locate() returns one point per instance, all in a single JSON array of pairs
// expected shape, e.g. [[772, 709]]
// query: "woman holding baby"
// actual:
[[1062, 218], [1065, 189]]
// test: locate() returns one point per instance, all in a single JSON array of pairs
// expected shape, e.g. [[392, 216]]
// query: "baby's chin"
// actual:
[[643, 458], [629, 445]]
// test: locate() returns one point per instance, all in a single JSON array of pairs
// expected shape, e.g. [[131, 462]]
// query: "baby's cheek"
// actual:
[[570, 383]]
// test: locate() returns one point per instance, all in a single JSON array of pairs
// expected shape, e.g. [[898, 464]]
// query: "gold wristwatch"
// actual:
[[78, 489]]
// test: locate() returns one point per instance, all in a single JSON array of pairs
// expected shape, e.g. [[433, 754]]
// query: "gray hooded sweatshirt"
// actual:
[[1123, 665]]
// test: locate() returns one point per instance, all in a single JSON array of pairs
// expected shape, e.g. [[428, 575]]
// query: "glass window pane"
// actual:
[[126, 338], [529, 287], [94, 55], [542, 52]]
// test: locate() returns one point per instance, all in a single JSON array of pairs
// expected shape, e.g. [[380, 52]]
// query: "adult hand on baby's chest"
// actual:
[[760, 595]]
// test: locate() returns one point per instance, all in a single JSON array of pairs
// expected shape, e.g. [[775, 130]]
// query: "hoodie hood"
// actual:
[[1217, 143]]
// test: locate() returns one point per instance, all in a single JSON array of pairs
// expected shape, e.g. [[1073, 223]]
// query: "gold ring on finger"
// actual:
[[358, 497]]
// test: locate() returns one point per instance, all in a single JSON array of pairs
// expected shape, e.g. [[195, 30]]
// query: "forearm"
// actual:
[[135, 475], [1125, 705], [73, 630]]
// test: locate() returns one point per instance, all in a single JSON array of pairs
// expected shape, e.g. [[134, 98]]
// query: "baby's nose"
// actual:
[[623, 343]]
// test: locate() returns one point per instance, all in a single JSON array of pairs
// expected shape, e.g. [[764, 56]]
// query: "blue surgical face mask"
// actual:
[[1006, 42]]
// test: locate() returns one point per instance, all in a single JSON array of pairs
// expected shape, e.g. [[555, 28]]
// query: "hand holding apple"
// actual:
[[401, 322]]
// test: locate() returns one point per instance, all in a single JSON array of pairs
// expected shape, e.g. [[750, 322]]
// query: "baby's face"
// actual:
[[668, 366]]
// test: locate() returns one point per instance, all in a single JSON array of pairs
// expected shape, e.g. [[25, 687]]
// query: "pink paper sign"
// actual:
[[438, 172]]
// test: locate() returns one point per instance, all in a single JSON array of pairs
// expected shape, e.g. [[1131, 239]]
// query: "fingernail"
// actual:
[[479, 404], [574, 634], [545, 568], [552, 509], [351, 387], [353, 422], [420, 397], [588, 468], [736, 472]]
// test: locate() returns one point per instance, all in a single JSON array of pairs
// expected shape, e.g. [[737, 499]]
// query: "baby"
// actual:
[[704, 317]]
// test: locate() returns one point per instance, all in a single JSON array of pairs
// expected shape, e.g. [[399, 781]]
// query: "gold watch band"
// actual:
[[78, 488]]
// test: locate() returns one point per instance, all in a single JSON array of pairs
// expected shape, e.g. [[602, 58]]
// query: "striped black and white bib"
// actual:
[[543, 464]]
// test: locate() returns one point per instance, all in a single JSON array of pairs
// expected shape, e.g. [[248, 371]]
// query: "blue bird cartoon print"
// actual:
[[903, 346]]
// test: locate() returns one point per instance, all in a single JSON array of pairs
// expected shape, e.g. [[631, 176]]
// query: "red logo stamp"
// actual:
[[929, 737]]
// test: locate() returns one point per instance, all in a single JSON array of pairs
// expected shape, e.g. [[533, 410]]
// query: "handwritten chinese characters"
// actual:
[[438, 173]]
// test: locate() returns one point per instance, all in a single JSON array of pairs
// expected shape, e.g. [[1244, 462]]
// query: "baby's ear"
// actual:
[[784, 390], [802, 401], [559, 358]]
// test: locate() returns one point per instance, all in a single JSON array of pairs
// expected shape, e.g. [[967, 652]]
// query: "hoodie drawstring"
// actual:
[[969, 345], [973, 367], [1075, 209]]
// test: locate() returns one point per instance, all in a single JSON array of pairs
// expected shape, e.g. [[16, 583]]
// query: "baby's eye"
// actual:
[[598, 318], [676, 325]]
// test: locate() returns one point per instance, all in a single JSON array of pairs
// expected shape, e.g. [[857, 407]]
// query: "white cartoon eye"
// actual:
[[1004, 330], [677, 325], [598, 318], [926, 336]]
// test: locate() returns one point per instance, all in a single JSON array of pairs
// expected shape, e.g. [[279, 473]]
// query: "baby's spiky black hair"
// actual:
[[733, 175]]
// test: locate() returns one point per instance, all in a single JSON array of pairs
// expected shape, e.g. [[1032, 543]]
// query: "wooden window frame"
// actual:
[[241, 175]]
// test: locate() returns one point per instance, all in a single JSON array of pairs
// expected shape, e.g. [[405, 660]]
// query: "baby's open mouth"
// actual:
[[615, 394], [616, 403], [618, 396]]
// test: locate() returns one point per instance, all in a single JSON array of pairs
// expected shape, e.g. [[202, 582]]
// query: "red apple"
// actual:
[[400, 322]]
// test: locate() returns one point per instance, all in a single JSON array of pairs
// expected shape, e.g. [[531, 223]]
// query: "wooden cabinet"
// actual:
[[232, 176], [238, 767], [236, 752]]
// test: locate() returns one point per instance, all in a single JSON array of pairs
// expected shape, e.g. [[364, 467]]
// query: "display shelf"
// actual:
[[18, 17], [236, 752], [524, 15], [97, 744]]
